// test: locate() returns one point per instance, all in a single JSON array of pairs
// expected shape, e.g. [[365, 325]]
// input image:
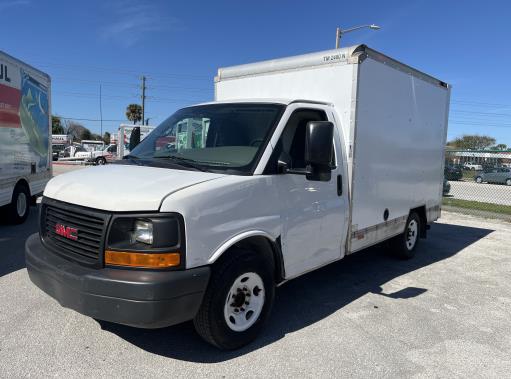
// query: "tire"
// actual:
[[508, 182], [19, 208], [234, 308], [403, 246], [479, 179], [100, 161]]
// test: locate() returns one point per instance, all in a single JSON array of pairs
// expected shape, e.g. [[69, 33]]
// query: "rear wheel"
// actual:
[[508, 182], [19, 208], [479, 179], [403, 246], [100, 161], [237, 302]]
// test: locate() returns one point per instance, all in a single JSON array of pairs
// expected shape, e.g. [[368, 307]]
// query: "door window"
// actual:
[[291, 146]]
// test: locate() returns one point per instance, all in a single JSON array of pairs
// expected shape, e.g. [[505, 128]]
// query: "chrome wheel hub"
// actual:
[[244, 302], [412, 234], [21, 204]]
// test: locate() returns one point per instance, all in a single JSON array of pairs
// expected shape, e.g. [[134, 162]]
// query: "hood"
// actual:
[[122, 188]]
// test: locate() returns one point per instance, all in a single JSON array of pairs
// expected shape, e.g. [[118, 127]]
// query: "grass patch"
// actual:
[[469, 175], [477, 205]]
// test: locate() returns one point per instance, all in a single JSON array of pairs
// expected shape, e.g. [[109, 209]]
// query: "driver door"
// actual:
[[313, 212]]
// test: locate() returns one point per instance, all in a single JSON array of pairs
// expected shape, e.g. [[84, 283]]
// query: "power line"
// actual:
[[89, 119], [123, 71], [483, 113]]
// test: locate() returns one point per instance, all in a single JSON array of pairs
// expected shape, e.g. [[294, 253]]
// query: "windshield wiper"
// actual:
[[185, 162]]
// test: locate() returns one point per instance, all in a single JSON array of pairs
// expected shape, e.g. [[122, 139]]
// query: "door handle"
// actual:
[[339, 185]]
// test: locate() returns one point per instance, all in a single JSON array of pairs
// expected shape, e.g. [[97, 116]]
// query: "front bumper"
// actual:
[[144, 299]]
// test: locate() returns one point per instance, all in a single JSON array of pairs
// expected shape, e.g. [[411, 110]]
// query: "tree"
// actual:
[[76, 130], [56, 125], [134, 113], [86, 134], [106, 138], [500, 146], [472, 142]]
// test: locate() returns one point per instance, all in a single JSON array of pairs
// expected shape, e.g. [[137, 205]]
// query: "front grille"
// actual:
[[86, 246]]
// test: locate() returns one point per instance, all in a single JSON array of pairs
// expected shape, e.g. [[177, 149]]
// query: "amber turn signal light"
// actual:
[[144, 260]]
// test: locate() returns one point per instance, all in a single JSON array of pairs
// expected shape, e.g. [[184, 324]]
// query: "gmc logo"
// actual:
[[66, 231]]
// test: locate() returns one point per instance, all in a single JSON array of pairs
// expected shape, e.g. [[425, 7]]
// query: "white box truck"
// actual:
[[297, 163], [25, 136]]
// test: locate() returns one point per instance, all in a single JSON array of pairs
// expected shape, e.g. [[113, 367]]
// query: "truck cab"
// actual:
[[224, 201]]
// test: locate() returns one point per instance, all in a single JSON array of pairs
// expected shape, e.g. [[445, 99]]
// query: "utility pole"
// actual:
[[143, 99], [100, 113]]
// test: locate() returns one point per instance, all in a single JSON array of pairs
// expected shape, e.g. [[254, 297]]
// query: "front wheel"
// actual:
[[403, 246], [508, 182], [479, 179], [238, 301]]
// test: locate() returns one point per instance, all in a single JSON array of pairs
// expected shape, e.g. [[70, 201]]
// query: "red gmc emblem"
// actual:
[[66, 231]]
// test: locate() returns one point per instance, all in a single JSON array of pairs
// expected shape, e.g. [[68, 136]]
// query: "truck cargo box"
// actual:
[[394, 122]]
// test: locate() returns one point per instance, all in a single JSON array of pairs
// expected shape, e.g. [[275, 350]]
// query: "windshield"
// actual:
[[217, 137]]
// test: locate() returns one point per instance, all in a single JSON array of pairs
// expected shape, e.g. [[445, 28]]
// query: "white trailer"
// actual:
[[25, 135], [297, 163], [58, 143]]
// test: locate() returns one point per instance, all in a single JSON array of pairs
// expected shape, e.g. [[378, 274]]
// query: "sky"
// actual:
[[179, 45]]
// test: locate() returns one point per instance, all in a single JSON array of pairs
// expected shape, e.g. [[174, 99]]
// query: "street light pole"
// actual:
[[339, 32]]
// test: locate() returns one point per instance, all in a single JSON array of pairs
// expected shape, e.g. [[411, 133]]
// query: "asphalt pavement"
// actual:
[[446, 313]]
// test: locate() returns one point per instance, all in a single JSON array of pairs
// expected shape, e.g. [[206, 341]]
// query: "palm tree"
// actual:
[[134, 113]]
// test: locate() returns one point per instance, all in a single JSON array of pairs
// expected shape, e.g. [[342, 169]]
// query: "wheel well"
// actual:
[[266, 248], [23, 182], [421, 211]]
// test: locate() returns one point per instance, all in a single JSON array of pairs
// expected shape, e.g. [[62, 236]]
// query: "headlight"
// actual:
[[146, 241], [143, 232]]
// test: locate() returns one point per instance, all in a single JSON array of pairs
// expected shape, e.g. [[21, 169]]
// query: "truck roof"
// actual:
[[268, 101], [346, 55]]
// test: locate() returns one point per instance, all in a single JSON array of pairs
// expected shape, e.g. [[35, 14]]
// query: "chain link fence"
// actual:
[[478, 182]]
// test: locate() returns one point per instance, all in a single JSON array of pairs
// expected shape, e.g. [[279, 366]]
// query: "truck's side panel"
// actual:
[[398, 150]]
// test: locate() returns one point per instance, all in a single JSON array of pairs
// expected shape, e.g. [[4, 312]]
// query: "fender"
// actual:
[[237, 238]]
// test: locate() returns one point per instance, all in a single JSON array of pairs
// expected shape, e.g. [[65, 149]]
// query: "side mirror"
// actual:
[[319, 147], [319, 143], [135, 137]]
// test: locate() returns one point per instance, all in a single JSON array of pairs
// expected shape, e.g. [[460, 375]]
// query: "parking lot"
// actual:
[[446, 313]]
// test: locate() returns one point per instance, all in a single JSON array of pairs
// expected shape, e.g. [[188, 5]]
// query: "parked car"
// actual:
[[452, 172], [500, 175], [472, 166], [446, 188]]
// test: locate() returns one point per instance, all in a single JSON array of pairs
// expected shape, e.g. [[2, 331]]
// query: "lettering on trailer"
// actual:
[[334, 57], [66, 231], [3, 73]]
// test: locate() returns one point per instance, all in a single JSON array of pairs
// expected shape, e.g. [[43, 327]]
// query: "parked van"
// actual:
[[25, 136], [297, 163]]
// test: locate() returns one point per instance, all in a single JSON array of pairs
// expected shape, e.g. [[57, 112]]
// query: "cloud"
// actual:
[[132, 21], [13, 3]]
